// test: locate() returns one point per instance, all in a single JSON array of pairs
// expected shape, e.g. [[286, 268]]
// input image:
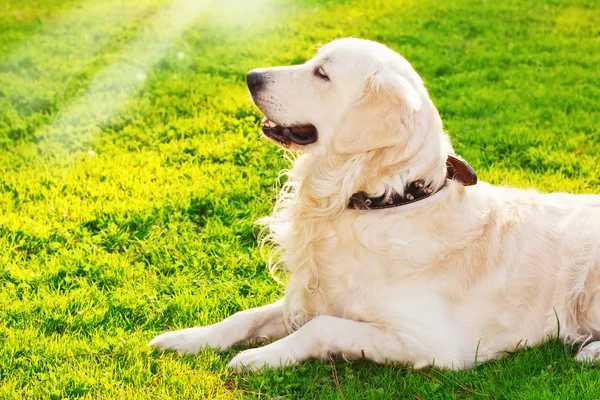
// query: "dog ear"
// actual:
[[382, 117]]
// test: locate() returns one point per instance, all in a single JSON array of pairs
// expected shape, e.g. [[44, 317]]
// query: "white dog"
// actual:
[[389, 257]]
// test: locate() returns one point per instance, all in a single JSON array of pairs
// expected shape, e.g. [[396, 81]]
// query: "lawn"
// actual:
[[132, 171]]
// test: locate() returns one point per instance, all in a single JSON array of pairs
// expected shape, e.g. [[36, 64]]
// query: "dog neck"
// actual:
[[456, 169], [325, 185]]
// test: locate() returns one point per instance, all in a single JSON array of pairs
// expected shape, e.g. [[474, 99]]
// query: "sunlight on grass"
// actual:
[[116, 83]]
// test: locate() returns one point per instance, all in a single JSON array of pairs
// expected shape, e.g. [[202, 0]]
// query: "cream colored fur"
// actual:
[[456, 279]]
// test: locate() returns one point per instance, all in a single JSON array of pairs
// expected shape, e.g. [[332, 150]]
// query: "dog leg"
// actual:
[[327, 335], [266, 321]]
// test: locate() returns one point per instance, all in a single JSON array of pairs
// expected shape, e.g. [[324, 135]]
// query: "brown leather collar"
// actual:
[[456, 169]]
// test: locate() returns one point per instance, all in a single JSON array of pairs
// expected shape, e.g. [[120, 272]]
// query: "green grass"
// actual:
[[131, 173]]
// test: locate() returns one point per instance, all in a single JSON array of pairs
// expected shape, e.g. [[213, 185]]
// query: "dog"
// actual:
[[393, 253]]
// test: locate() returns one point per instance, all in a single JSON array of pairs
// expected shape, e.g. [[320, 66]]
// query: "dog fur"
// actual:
[[456, 279]]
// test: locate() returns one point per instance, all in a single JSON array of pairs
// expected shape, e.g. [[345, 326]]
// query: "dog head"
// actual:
[[353, 96]]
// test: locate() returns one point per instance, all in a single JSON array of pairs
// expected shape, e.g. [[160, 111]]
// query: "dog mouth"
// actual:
[[301, 134]]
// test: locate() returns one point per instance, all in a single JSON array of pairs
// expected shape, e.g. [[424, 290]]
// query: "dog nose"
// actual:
[[254, 80]]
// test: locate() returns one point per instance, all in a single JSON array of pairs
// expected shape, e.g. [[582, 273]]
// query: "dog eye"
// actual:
[[319, 72]]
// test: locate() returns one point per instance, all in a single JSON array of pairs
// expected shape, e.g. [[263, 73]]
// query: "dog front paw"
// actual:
[[590, 353], [275, 355], [190, 341]]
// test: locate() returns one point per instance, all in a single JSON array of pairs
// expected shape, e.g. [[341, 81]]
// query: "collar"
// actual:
[[456, 169]]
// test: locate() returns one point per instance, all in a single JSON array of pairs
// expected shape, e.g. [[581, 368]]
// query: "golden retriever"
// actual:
[[462, 275]]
